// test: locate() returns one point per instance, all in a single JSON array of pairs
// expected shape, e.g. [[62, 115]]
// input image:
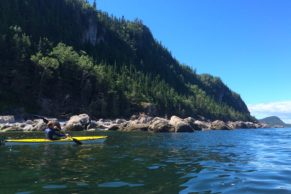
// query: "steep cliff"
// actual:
[[63, 56]]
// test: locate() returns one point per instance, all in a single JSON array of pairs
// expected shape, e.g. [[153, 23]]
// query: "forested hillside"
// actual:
[[274, 121], [62, 57]]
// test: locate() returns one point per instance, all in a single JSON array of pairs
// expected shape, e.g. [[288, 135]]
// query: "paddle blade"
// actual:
[[41, 117], [77, 141]]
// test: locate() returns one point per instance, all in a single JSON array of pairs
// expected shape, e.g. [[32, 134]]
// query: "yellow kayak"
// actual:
[[69, 139]]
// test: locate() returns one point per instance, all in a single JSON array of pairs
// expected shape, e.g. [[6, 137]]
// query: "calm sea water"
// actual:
[[239, 161]]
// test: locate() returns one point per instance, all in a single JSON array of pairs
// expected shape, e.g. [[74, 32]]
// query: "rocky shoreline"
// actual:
[[140, 122]]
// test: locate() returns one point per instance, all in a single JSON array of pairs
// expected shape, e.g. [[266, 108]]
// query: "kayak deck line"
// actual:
[[69, 139]]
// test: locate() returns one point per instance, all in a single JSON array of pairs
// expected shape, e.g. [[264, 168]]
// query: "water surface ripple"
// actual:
[[238, 161]]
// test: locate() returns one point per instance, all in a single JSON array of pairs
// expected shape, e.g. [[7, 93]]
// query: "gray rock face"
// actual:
[[237, 125], [234, 125], [161, 125], [92, 125], [103, 124], [11, 128], [144, 122], [140, 122], [29, 122], [250, 125], [203, 125], [90, 35], [245, 125], [219, 125], [78, 122], [35, 125], [144, 119], [180, 125], [191, 122], [39, 125], [136, 123], [28, 128], [113, 127], [119, 121], [133, 126]]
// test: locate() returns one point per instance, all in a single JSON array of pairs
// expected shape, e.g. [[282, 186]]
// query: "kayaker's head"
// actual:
[[50, 124]]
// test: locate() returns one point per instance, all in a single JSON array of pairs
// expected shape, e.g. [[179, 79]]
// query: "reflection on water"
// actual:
[[240, 161]]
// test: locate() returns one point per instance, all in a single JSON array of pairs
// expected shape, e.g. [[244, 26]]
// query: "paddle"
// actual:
[[46, 122], [2, 140], [75, 140]]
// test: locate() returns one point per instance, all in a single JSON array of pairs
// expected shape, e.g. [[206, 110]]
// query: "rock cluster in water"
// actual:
[[136, 123]]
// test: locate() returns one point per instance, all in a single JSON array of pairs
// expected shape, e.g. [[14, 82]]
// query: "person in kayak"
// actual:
[[53, 132]]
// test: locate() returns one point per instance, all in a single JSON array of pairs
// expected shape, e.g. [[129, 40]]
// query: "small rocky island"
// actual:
[[141, 122]]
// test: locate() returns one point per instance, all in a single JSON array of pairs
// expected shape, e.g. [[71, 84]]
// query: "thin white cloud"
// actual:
[[280, 109]]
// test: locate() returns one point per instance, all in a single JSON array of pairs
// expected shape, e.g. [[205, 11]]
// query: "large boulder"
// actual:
[[141, 119], [160, 125], [241, 125], [236, 124], [92, 125], [35, 125], [11, 128], [180, 125], [27, 128], [7, 119], [106, 124], [204, 125], [3, 127], [136, 123], [119, 121], [113, 127], [78, 122], [38, 125], [103, 124], [251, 125], [29, 122], [191, 122], [133, 126], [219, 125], [245, 125], [19, 125], [144, 119]]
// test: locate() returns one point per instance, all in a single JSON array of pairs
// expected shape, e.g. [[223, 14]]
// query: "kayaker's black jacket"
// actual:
[[52, 133]]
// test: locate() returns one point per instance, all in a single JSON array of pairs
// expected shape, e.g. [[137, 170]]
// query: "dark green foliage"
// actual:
[[63, 56], [15, 68], [58, 20]]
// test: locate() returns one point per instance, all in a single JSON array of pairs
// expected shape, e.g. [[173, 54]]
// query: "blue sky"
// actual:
[[247, 43]]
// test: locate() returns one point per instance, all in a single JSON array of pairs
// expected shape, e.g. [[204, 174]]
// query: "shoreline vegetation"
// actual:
[[141, 122]]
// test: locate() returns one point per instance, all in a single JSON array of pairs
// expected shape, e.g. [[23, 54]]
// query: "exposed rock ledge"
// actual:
[[136, 123]]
